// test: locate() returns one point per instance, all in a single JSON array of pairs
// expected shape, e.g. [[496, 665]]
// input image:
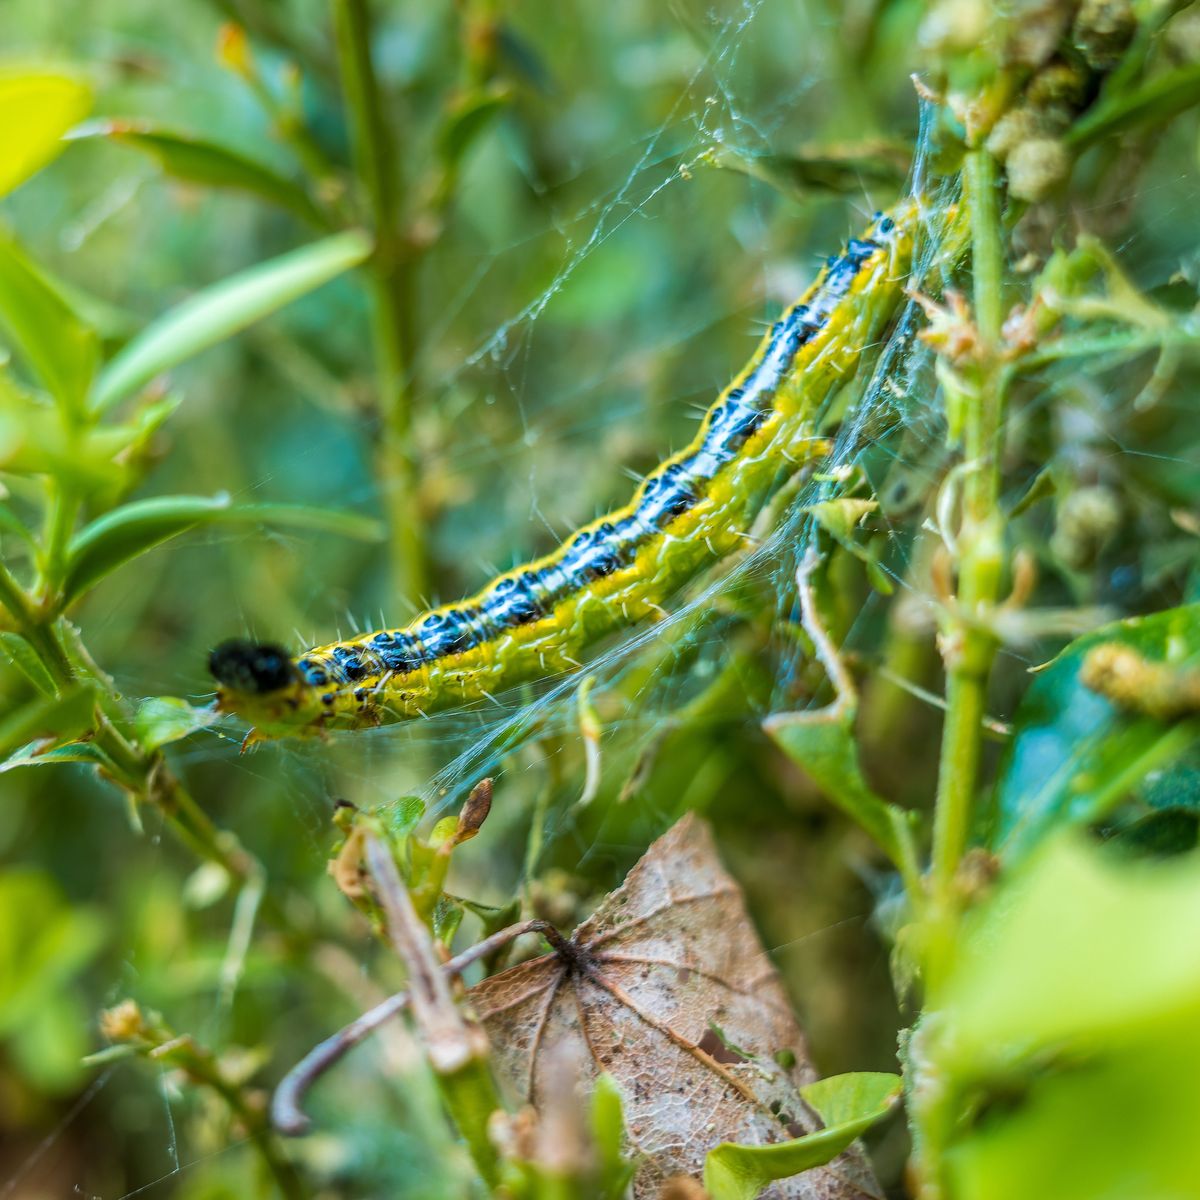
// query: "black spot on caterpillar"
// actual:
[[539, 618]]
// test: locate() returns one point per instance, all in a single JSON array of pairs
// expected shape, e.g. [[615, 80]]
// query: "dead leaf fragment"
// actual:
[[667, 988]]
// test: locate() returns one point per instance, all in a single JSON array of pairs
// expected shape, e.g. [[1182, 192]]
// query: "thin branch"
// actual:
[[287, 1114], [376, 165]]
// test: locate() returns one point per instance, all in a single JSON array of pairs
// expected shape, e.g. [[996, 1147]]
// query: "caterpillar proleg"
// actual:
[[540, 617]]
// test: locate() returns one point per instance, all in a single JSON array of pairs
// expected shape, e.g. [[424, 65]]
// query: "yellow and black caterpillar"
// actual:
[[539, 618]]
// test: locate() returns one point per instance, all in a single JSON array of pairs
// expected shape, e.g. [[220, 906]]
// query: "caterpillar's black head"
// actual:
[[253, 667]]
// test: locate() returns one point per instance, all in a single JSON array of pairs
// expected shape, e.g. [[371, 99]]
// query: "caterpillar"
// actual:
[[539, 618]]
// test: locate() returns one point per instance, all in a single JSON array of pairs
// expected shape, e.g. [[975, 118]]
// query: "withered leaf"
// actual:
[[666, 987]]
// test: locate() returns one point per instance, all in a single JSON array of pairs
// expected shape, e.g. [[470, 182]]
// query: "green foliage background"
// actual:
[[539, 149]]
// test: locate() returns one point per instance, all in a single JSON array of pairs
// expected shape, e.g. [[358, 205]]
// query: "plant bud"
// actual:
[[1103, 29], [1016, 126], [1087, 521], [1036, 167]]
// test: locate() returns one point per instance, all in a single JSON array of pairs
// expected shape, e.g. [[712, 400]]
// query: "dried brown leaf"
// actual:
[[667, 988]]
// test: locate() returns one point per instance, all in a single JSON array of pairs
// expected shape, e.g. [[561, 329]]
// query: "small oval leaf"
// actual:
[[848, 1104], [161, 720]]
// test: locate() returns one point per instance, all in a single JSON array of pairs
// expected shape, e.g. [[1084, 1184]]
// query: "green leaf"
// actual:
[[161, 720], [36, 109], [402, 816], [840, 1099], [1081, 946], [1163, 833], [55, 342], [1156, 101], [1066, 1046], [310, 516], [447, 917], [23, 656], [468, 119], [224, 309], [35, 755], [840, 518], [1043, 486], [1076, 754], [49, 718], [34, 440], [197, 160], [824, 745], [131, 530], [614, 1171], [848, 1104]]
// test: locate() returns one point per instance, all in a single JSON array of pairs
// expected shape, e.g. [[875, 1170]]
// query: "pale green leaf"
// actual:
[[225, 308], [823, 744], [608, 1132], [161, 720], [56, 344], [36, 755], [848, 1104]]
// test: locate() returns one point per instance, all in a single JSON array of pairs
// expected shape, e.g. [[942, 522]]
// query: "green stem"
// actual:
[[290, 1185], [204, 1069], [391, 288], [12, 597], [971, 647], [292, 131], [457, 1049], [981, 193], [269, 22], [60, 524], [39, 635]]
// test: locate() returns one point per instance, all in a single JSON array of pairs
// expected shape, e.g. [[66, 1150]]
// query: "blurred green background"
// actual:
[[648, 183]]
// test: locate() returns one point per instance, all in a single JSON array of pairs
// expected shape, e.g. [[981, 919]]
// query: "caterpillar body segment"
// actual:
[[540, 618]]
